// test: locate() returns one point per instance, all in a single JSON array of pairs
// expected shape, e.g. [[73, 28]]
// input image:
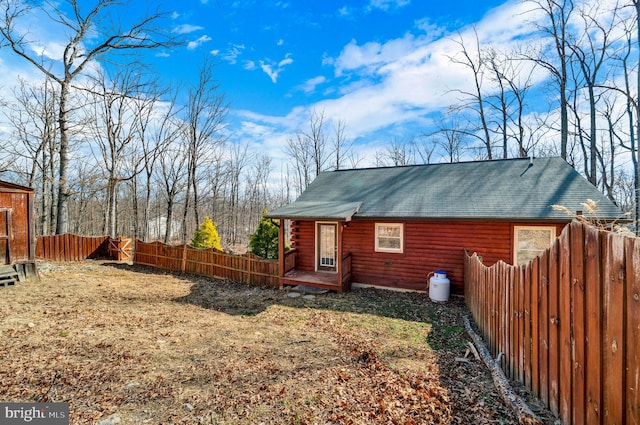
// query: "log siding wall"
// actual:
[[428, 246]]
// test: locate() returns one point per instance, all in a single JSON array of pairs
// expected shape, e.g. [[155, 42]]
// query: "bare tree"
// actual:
[[309, 150], [256, 197], [450, 137], [397, 153], [157, 129], [607, 157], [342, 147], [33, 118], [632, 109], [475, 100], [90, 37], [173, 178], [591, 52], [513, 81], [114, 129], [240, 157], [424, 148], [556, 56], [206, 110]]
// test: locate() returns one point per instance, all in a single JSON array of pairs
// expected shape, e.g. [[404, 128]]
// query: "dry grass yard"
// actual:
[[131, 345]]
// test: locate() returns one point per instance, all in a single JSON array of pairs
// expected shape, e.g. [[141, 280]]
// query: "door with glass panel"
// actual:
[[327, 246]]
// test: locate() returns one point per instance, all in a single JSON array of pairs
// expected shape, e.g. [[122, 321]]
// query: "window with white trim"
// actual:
[[531, 241], [389, 237]]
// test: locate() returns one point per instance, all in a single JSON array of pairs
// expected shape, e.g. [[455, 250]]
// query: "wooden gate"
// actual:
[[120, 249]]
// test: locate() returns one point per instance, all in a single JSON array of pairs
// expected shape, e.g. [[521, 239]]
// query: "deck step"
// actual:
[[8, 276], [7, 282]]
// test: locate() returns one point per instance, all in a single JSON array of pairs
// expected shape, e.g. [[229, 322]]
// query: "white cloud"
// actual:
[[187, 28], [232, 53], [51, 49], [195, 44], [310, 85], [280, 42], [273, 70], [401, 81], [284, 62], [371, 55], [270, 71], [344, 11], [387, 4]]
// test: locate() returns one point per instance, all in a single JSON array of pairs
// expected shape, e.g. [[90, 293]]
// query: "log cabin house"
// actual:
[[17, 239], [392, 226]]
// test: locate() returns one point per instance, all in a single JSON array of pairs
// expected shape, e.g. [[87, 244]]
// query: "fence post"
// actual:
[[249, 261], [184, 258]]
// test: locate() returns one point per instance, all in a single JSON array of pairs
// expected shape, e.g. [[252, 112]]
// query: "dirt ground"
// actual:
[[132, 345]]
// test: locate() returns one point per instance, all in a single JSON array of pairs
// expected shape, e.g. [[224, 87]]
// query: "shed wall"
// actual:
[[18, 202], [428, 246]]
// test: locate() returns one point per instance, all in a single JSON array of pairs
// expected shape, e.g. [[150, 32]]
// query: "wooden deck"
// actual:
[[324, 280]]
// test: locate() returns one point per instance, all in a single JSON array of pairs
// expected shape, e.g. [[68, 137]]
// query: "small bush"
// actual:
[[207, 236], [264, 242]]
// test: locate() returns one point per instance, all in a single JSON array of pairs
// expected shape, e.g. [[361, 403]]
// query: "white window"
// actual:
[[531, 241], [389, 237]]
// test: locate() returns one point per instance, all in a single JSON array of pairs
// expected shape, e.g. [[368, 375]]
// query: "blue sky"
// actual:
[[382, 67], [277, 55]]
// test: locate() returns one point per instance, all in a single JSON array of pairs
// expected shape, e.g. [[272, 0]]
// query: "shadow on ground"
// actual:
[[469, 384], [247, 300]]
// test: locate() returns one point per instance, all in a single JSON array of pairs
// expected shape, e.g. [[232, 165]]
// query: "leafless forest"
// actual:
[[118, 152]]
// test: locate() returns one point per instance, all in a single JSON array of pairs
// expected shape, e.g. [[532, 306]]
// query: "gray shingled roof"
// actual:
[[502, 189]]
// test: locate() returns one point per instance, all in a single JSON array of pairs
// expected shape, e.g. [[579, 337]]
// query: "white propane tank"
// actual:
[[439, 286]]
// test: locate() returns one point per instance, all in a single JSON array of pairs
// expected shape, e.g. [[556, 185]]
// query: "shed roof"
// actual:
[[7, 186], [513, 189]]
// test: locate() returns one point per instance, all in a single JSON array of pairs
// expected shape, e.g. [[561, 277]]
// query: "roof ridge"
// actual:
[[478, 161]]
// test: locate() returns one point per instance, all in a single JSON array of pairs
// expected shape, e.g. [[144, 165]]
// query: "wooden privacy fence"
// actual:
[[70, 247], [247, 268], [567, 323]]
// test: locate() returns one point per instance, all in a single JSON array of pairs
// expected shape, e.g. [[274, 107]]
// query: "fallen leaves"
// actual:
[[156, 348]]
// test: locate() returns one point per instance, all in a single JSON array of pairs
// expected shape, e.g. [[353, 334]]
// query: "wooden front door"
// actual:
[[327, 246]]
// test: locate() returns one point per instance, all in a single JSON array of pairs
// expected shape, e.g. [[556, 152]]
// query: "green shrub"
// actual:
[[264, 242], [207, 236]]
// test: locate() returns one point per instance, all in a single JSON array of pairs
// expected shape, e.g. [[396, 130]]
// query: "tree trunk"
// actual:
[[517, 405], [62, 224], [169, 219], [635, 153]]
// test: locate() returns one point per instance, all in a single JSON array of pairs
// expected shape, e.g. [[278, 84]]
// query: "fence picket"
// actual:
[[526, 373], [564, 324], [613, 347], [535, 329], [554, 337], [632, 300], [578, 323], [593, 331], [543, 323], [569, 323], [69, 247], [211, 263]]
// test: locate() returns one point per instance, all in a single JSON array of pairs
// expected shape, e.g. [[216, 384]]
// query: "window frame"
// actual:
[[552, 236], [389, 250]]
